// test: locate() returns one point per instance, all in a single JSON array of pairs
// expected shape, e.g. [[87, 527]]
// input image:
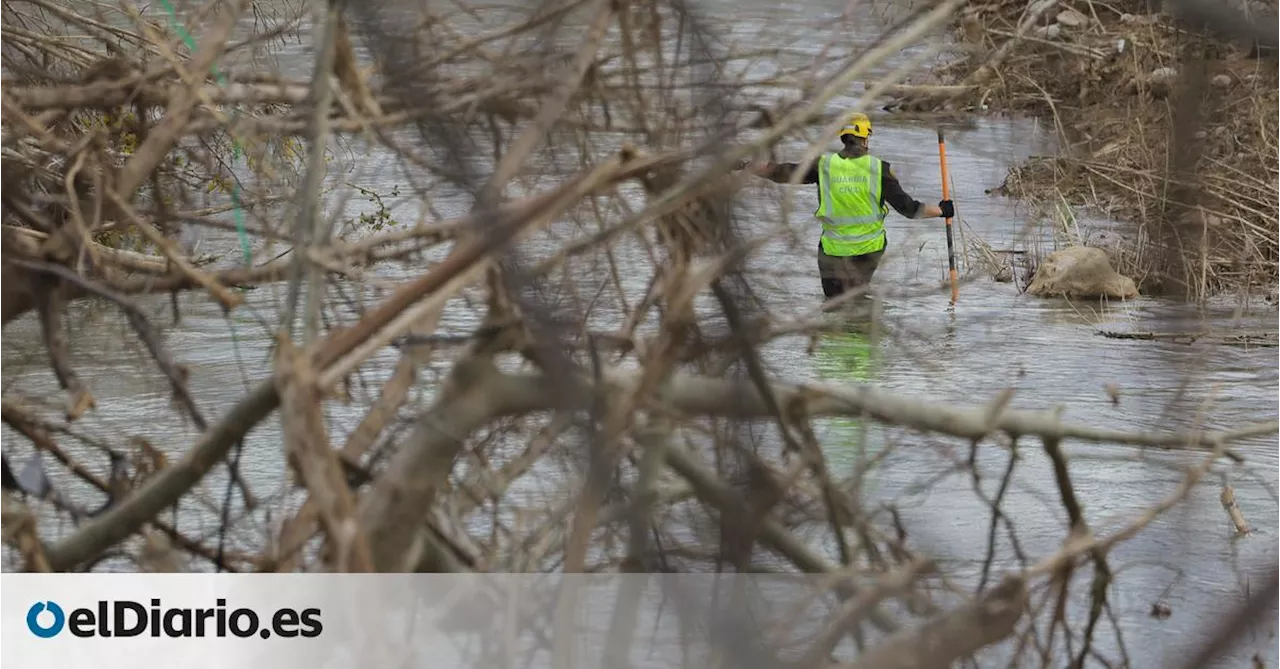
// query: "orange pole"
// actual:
[[946, 195]]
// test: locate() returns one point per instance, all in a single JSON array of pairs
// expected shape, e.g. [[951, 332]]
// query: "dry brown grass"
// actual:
[[1113, 86]]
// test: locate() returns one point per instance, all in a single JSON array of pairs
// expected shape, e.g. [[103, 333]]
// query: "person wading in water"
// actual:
[[855, 190]]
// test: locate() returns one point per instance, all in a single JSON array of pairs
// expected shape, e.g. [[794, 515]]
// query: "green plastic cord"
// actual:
[[235, 143], [238, 209]]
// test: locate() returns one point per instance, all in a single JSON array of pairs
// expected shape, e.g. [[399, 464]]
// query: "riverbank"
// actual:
[[1120, 85]]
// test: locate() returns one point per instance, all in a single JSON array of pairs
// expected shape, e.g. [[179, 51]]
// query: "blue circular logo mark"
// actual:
[[33, 619]]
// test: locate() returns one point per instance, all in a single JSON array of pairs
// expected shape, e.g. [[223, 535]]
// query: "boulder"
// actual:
[[1080, 272]]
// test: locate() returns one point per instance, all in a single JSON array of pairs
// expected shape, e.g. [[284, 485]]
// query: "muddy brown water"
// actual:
[[1048, 350]]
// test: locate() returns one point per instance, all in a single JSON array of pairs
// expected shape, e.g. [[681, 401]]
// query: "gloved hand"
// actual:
[[948, 208]]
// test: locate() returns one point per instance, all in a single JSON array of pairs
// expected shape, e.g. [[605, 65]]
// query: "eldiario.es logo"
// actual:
[[125, 618]]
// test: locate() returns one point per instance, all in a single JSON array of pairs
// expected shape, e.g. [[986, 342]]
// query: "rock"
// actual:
[[1080, 272], [1200, 217], [1071, 18], [1161, 80], [1221, 81], [1052, 31], [1164, 75]]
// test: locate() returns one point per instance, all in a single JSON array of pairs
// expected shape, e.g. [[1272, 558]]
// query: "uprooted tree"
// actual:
[[654, 426]]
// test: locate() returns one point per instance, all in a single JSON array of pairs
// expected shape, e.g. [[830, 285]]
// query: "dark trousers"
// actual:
[[840, 274]]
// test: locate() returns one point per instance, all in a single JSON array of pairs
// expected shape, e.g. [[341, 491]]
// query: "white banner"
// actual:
[[321, 621]]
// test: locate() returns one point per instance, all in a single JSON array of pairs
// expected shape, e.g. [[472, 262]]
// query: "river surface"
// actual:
[[1048, 350]]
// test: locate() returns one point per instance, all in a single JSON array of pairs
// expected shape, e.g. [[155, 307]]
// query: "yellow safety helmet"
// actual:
[[857, 125]]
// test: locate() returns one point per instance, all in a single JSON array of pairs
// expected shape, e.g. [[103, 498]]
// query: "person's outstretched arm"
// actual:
[[781, 172], [908, 206]]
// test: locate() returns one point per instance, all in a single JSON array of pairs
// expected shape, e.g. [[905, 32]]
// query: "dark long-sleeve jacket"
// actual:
[[891, 192]]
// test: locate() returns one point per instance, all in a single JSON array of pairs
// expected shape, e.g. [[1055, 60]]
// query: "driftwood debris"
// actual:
[[1256, 339]]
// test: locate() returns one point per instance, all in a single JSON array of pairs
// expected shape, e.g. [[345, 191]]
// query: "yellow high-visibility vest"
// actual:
[[849, 205]]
